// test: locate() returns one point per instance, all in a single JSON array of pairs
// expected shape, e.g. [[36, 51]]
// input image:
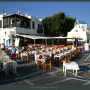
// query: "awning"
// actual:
[[31, 36], [43, 37]]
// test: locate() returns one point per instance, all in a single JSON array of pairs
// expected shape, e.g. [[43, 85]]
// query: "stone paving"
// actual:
[[28, 74]]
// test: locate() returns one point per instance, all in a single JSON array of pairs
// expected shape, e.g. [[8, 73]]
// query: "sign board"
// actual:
[[12, 32], [17, 42], [86, 46]]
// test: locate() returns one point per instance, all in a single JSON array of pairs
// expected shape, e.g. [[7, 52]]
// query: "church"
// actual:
[[80, 30]]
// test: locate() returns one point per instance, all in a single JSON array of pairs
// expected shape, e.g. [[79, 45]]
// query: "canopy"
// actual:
[[43, 37]]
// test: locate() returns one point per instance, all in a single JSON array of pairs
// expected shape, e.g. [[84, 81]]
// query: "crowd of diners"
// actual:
[[42, 53]]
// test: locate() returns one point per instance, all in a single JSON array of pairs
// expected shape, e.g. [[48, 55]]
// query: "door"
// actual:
[[7, 42]]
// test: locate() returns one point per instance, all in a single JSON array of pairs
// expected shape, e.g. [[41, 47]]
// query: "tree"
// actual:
[[58, 24]]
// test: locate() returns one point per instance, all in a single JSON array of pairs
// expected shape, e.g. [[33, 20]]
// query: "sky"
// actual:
[[41, 10]]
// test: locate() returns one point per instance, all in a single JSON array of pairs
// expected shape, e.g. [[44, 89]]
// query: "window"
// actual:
[[0, 23], [39, 30], [33, 25], [41, 26], [5, 22], [38, 26], [76, 30]]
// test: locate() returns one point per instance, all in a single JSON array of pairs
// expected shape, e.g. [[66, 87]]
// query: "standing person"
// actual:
[[2, 46], [13, 52]]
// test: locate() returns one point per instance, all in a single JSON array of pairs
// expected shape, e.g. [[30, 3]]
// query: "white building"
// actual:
[[80, 30], [12, 24]]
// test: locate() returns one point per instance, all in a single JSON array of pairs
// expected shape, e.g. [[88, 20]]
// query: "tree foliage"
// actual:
[[58, 24]]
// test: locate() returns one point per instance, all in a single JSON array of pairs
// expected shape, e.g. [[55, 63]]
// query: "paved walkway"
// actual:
[[28, 75]]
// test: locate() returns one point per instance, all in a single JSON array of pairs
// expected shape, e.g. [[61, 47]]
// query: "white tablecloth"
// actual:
[[24, 54], [61, 55], [5, 66], [70, 66], [39, 59]]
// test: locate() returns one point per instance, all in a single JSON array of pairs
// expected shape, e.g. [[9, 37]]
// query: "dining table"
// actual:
[[70, 66], [5, 59]]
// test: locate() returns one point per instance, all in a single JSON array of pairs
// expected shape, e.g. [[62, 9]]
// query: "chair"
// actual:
[[40, 64], [62, 60], [73, 54], [67, 58], [30, 56], [47, 63], [10, 68]]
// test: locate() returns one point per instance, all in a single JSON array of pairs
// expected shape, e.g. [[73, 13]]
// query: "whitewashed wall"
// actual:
[[80, 31]]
